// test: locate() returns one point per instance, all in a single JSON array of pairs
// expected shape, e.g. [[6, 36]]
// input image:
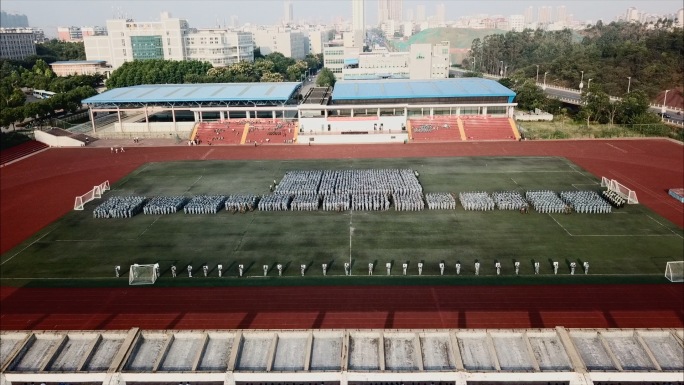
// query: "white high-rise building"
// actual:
[[680, 17], [632, 14], [529, 15], [441, 13], [516, 23], [289, 43], [358, 16], [561, 15], [420, 13], [544, 15], [170, 39], [287, 19], [390, 10]]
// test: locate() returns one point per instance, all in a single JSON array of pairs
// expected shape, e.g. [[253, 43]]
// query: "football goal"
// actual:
[[143, 274], [674, 271], [622, 190], [95, 193]]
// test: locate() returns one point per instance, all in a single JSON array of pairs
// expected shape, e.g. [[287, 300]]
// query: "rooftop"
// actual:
[[72, 62], [213, 92], [412, 89], [507, 355]]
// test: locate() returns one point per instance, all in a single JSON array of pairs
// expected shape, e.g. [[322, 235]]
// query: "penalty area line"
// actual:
[[27, 246]]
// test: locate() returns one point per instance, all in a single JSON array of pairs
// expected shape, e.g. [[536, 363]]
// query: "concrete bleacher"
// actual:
[[437, 129], [17, 152], [487, 128], [265, 131], [218, 133]]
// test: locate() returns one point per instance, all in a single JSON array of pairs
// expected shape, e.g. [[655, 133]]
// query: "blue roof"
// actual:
[[416, 89], [79, 62], [214, 92]]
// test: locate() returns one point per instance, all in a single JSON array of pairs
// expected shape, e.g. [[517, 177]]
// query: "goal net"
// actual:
[[95, 193], [674, 271], [622, 190], [143, 274]]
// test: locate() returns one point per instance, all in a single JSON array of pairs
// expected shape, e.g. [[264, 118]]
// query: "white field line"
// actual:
[[617, 148], [194, 183], [615, 235], [654, 220], [148, 227], [22, 250]]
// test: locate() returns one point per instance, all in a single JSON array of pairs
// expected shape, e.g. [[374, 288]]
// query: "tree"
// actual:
[[272, 77], [594, 105], [529, 96], [633, 104], [325, 78]]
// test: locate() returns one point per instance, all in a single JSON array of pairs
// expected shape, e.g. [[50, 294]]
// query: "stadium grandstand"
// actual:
[[160, 110], [351, 112], [345, 357]]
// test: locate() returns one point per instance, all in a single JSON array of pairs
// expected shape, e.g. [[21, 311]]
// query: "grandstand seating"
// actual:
[[487, 128], [437, 129], [20, 151], [216, 133], [263, 131]]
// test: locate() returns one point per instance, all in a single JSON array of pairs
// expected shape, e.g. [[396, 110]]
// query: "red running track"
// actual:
[[38, 190], [585, 306]]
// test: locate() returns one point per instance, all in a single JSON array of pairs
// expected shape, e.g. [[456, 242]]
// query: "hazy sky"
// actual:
[[49, 14]]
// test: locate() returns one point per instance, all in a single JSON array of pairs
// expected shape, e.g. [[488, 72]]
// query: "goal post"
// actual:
[[95, 193], [83, 199], [674, 271], [622, 190], [143, 274]]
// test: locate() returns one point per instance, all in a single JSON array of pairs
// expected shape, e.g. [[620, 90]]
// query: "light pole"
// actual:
[[589, 84], [505, 70], [629, 82], [537, 73], [664, 109], [501, 69], [581, 85], [544, 86]]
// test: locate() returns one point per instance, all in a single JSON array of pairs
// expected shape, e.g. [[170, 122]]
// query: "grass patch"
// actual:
[[80, 250]]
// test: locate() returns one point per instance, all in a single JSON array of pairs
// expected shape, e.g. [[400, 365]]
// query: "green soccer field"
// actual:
[[632, 241]]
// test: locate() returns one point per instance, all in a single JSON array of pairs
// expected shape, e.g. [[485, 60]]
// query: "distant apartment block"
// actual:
[[76, 34], [170, 39], [80, 67], [290, 43], [17, 43], [423, 61]]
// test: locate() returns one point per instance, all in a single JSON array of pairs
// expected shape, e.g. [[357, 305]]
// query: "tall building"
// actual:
[[420, 13], [171, 39], [529, 15], [561, 14], [516, 22], [632, 14], [544, 15], [410, 15], [287, 19], [441, 13], [680, 17], [289, 43], [390, 10], [76, 34], [17, 43], [358, 16], [9, 20]]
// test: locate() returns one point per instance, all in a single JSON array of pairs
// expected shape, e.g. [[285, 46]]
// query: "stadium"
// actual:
[[66, 316]]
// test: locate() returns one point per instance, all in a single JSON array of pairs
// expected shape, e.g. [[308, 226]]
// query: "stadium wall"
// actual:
[[56, 141], [365, 123], [336, 138]]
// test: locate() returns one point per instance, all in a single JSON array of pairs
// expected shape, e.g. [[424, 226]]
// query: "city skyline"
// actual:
[[48, 15]]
